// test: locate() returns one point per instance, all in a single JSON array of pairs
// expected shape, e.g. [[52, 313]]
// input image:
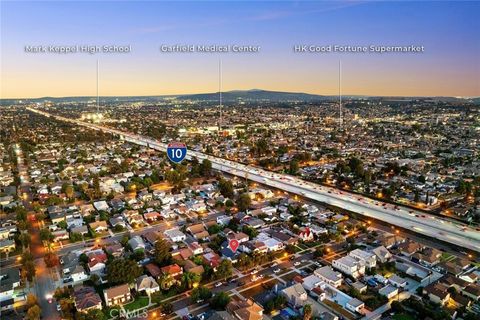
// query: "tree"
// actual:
[[46, 235], [206, 168], [225, 269], [69, 192], [67, 307], [166, 281], [75, 237], [162, 252], [122, 270], [189, 278], [243, 202], [293, 167], [51, 259], [200, 293], [31, 300], [226, 188], [220, 301], [28, 267], [34, 313], [25, 240], [166, 308], [397, 307], [307, 312], [250, 231]]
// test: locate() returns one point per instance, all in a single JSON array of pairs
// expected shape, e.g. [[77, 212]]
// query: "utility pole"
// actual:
[[340, 93], [98, 83], [220, 93]]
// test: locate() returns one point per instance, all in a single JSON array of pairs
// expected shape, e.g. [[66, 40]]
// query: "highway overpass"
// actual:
[[415, 221]]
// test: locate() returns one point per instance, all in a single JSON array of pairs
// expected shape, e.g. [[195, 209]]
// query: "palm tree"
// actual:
[[307, 312], [189, 278], [166, 281]]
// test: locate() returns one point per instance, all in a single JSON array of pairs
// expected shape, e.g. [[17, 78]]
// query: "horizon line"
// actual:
[[244, 90]]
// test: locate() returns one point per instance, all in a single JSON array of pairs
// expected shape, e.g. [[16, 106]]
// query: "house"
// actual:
[[136, 243], [212, 259], [86, 209], [78, 274], [190, 266], [101, 206], [389, 240], [175, 235], [388, 291], [382, 254], [368, 259], [472, 291], [152, 216], [196, 248], [429, 257], [117, 295], [60, 235], [245, 309], [355, 305], [7, 245], [239, 236], [312, 281], [69, 262], [349, 266], [153, 270], [4, 233], [195, 228], [360, 286], [98, 226], [437, 293], [86, 298], [174, 270], [306, 234], [96, 261], [115, 249], [80, 230], [223, 220], [117, 220], [397, 281], [296, 295], [147, 284], [409, 248], [328, 275], [9, 281]]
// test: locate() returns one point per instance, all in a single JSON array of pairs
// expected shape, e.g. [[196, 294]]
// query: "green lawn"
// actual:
[[446, 256], [138, 303]]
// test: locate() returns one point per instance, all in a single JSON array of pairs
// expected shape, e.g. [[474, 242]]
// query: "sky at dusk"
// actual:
[[449, 31]]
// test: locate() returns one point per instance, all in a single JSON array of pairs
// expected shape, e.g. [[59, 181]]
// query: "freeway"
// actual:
[[415, 221]]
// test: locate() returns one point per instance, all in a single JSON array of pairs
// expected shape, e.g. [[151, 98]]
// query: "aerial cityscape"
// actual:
[[240, 160]]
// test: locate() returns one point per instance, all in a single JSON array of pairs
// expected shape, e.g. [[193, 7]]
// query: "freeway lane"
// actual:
[[416, 221]]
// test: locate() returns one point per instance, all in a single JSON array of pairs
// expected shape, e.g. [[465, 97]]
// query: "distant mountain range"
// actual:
[[239, 95], [256, 95]]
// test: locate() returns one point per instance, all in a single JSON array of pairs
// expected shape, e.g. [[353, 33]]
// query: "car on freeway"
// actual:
[[276, 270]]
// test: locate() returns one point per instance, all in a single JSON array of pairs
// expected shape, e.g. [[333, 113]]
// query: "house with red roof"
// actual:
[[306, 234]]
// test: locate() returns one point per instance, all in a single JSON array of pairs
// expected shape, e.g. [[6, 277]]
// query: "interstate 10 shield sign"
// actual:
[[176, 151]]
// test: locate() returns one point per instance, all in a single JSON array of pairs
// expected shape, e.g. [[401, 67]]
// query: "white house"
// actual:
[[328, 275], [175, 235], [366, 258], [350, 266]]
